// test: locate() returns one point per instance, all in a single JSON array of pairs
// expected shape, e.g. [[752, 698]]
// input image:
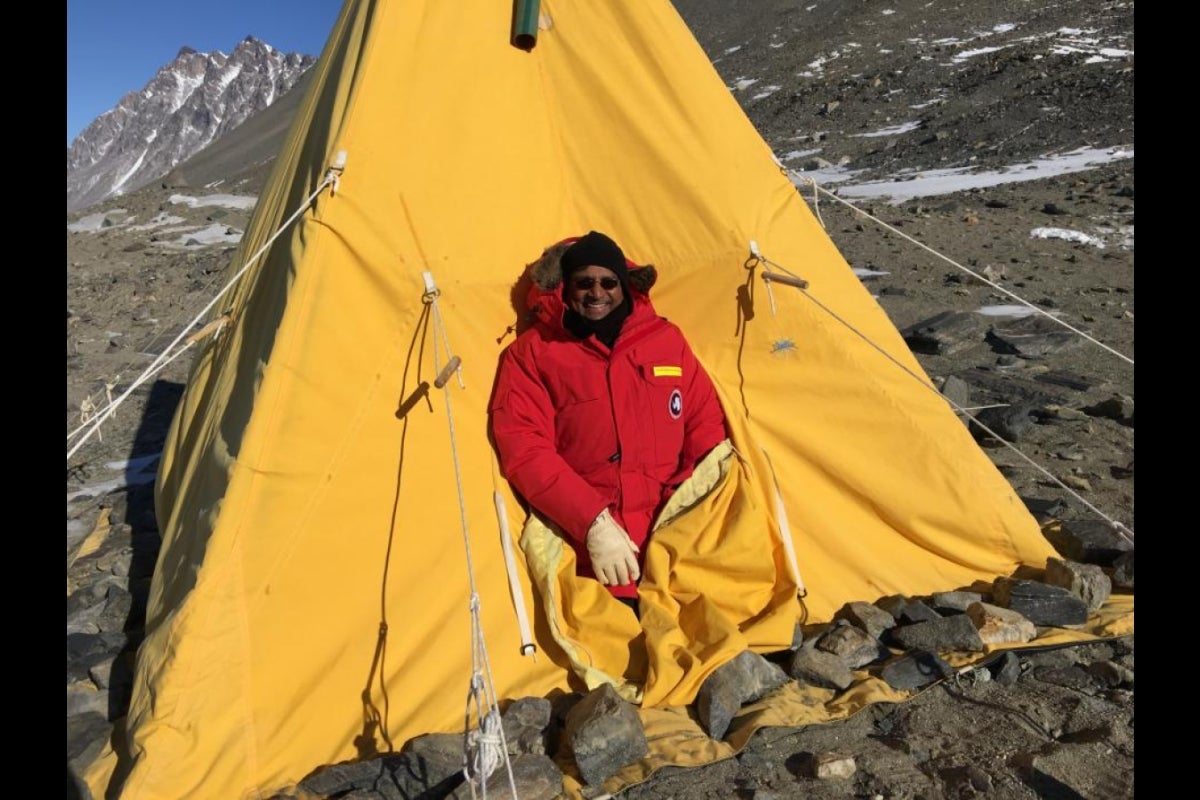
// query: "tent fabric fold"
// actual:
[[713, 586]]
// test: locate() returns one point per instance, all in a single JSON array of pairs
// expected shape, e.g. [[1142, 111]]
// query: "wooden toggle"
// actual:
[[447, 371], [216, 324], [788, 280]]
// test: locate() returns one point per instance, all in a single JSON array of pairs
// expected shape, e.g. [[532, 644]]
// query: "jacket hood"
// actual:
[[544, 298]]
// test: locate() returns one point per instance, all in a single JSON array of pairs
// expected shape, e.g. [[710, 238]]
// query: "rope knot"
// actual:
[[485, 748]]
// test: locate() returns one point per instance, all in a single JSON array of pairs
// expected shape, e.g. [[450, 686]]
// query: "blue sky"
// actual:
[[117, 46]]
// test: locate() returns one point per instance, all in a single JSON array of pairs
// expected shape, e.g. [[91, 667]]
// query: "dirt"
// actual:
[[1064, 729]]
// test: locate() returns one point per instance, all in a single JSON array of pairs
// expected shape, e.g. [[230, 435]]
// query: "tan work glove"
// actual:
[[613, 553]]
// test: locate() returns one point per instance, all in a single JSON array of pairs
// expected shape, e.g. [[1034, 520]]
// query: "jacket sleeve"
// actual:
[[523, 430], [704, 424]]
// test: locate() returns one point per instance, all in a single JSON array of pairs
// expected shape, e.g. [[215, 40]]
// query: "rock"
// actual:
[[1006, 670], [1039, 603], [998, 625], [1086, 581], [1122, 575], [535, 776], [947, 633], [1118, 407], [954, 602], [1034, 336], [744, 679], [945, 334], [1089, 541], [914, 670], [853, 645], [866, 616], [525, 723], [832, 766], [819, 668], [1010, 422], [605, 734], [906, 610]]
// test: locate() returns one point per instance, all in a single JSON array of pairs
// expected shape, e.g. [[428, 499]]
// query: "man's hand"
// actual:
[[613, 553]]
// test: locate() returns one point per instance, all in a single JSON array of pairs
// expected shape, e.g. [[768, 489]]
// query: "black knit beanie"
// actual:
[[595, 249]]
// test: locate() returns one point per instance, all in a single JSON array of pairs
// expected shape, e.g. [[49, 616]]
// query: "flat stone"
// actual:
[[429, 766], [1089, 541], [1040, 603], [947, 633], [1032, 337], [946, 333], [954, 602], [914, 670]]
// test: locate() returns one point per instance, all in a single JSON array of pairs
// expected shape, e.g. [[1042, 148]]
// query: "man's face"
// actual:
[[594, 292]]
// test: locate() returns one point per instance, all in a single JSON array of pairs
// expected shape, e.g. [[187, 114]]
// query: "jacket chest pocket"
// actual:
[[663, 410]]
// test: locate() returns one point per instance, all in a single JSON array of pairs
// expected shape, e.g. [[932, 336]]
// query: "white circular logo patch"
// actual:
[[675, 404]]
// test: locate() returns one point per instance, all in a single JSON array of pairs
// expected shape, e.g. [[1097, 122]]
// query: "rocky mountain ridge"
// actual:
[[190, 103]]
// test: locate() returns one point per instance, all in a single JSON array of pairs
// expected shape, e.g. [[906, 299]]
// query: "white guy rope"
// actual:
[[967, 270], [488, 742], [1121, 529], [331, 178]]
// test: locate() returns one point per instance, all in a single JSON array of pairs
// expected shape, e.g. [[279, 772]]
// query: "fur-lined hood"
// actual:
[[543, 299]]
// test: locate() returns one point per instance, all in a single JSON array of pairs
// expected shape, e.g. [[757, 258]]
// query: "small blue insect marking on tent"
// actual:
[[783, 347]]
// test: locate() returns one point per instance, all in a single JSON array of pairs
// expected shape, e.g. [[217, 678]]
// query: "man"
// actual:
[[600, 408]]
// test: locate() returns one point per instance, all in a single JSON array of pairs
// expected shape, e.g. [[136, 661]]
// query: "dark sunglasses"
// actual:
[[585, 284]]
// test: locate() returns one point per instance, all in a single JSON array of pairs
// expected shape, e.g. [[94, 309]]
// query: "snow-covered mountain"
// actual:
[[192, 101]]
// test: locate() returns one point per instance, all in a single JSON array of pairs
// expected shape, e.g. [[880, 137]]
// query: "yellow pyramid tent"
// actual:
[[332, 551]]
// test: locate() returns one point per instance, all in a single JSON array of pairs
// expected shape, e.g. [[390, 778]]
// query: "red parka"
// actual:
[[579, 427]]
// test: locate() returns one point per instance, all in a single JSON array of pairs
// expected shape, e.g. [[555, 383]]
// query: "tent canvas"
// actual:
[[329, 504]]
